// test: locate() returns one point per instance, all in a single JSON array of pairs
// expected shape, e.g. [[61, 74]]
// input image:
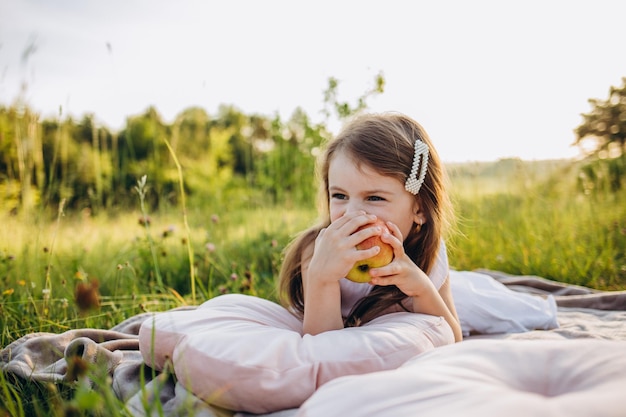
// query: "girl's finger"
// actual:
[[395, 231], [382, 280], [349, 219], [394, 239]]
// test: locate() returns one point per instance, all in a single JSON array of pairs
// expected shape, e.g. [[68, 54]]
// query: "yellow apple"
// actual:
[[360, 270]]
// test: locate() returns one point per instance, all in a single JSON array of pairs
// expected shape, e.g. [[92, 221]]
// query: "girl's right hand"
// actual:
[[335, 249]]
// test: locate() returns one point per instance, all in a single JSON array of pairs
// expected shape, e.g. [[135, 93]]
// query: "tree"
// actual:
[[606, 123], [344, 110]]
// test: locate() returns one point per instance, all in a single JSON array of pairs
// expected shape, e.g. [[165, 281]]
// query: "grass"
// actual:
[[530, 221], [568, 241], [229, 247], [543, 228]]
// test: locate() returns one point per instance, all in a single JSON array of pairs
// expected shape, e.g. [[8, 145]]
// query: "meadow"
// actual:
[[513, 216]]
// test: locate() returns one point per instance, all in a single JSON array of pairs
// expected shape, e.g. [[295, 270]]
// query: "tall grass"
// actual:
[[544, 228], [234, 250]]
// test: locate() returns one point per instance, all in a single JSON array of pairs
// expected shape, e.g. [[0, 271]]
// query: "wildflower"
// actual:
[[169, 231], [144, 221], [233, 277], [76, 368], [215, 218], [210, 247], [45, 249], [21, 282], [274, 243], [87, 296], [8, 291], [245, 285], [46, 293], [222, 289]]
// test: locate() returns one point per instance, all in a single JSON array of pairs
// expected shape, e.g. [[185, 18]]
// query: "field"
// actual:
[[536, 218], [514, 216]]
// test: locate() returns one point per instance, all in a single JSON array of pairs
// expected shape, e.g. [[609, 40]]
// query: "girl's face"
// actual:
[[352, 188]]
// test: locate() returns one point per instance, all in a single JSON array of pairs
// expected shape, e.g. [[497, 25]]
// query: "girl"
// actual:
[[381, 166]]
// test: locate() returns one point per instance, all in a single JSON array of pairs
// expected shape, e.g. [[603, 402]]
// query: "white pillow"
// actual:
[[563, 378], [248, 354]]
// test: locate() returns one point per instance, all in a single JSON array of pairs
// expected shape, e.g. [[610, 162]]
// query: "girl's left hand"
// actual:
[[402, 271]]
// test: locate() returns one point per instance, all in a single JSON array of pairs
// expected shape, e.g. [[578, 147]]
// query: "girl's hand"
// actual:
[[402, 271], [333, 255], [412, 281], [335, 249]]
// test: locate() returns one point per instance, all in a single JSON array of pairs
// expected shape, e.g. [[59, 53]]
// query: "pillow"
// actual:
[[486, 306], [248, 354], [573, 378]]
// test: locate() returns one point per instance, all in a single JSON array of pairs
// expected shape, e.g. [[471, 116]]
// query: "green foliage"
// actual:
[[606, 123], [603, 175], [91, 168], [44, 162], [343, 109], [546, 228]]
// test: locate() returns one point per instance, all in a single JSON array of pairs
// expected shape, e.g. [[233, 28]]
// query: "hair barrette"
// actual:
[[413, 181]]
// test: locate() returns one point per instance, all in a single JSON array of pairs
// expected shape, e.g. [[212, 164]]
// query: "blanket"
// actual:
[[47, 357]]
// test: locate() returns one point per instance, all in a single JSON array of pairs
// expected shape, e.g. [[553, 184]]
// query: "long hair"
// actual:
[[384, 143]]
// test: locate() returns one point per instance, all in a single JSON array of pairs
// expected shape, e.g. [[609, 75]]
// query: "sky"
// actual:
[[488, 79]]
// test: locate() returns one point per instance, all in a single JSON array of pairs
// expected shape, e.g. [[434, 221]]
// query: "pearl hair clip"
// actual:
[[413, 182]]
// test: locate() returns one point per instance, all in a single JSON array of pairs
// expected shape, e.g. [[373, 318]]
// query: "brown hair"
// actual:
[[384, 143]]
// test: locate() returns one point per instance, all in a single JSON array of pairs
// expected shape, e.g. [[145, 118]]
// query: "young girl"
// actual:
[[256, 356], [381, 166]]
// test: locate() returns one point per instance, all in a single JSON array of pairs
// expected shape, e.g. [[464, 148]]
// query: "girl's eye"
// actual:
[[339, 196], [375, 198]]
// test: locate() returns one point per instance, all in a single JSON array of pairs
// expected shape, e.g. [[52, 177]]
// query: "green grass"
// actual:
[[541, 227], [230, 247], [570, 241]]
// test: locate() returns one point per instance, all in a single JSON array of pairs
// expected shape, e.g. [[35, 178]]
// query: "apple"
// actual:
[[360, 270]]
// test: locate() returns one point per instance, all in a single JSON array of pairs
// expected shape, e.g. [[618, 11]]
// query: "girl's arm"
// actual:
[[439, 304], [322, 300], [413, 282], [325, 263]]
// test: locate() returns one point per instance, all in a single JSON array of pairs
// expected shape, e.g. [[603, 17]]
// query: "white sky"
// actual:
[[487, 78]]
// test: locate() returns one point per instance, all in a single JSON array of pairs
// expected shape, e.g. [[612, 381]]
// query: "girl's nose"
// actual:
[[354, 206], [350, 207]]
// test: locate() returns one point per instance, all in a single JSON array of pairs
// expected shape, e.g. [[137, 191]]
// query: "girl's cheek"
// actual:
[[335, 213]]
